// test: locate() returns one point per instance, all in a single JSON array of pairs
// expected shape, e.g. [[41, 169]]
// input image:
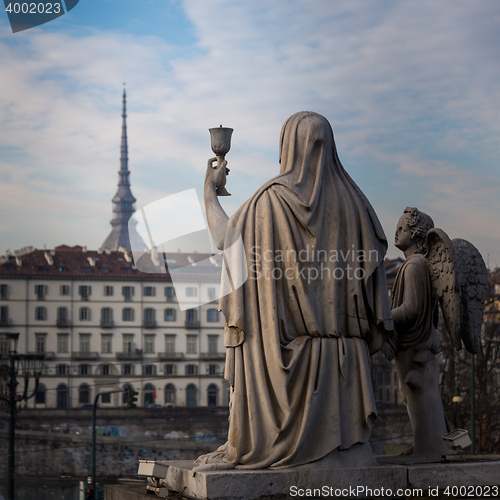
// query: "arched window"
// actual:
[[170, 395], [212, 393], [191, 395], [62, 396], [40, 395], [84, 394], [149, 395]]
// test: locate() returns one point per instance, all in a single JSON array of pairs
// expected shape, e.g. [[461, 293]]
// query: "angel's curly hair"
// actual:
[[419, 224]]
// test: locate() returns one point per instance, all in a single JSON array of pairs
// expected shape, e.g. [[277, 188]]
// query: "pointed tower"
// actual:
[[123, 201]]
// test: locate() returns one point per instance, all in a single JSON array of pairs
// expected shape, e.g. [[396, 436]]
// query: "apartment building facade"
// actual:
[[103, 325]]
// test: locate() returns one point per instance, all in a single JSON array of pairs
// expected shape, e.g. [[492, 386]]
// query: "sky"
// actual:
[[411, 89]]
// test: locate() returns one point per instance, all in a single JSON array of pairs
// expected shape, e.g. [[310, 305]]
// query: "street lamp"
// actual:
[[27, 366]]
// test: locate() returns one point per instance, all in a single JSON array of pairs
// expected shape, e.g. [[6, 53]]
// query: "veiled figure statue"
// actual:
[[436, 270], [300, 331]]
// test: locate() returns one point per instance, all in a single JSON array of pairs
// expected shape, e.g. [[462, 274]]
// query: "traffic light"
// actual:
[[132, 399], [89, 494]]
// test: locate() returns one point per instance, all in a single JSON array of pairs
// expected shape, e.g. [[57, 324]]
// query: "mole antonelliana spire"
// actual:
[[123, 201]]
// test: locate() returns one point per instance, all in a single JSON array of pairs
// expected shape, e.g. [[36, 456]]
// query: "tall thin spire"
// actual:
[[123, 201]]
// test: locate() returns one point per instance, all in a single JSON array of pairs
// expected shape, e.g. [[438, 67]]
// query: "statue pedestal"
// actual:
[[254, 484], [369, 482]]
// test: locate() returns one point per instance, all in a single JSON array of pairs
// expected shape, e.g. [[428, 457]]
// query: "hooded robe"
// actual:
[[300, 330]]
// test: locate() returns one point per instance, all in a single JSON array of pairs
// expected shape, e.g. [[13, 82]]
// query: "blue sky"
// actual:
[[412, 90]]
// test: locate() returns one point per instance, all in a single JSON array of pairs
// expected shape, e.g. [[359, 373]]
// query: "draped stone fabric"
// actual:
[[413, 305], [300, 330]]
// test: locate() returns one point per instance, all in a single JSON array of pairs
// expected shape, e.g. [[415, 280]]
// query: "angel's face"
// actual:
[[402, 238]]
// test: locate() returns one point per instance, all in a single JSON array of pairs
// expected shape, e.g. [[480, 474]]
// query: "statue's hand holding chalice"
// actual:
[[221, 144]]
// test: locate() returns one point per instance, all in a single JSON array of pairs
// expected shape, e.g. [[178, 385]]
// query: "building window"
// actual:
[[40, 395], [84, 394], [169, 314], [211, 293], [106, 343], [127, 292], [84, 291], [170, 369], [191, 291], [128, 342], [149, 344], [212, 343], [169, 293], [4, 291], [84, 314], [387, 378], [191, 395], [62, 316], [149, 316], [4, 345], [127, 369], [395, 377], [84, 370], [40, 291], [149, 370], [64, 290], [191, 341], [191, 369], [84, 342], [40, 342], [213, 369], [149, 394], [212, 393], [4, 315], [212, 315], [380, 378], [40, 313], [127, 314], [62, 396], [106, 398], [149, 291], [106, 316], [61, 370], [62, 342], [192, 318], [105, 370], [170, 395], [169, 343], [108, 290]]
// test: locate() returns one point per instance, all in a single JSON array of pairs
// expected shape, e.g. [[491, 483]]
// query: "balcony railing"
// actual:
[[149, 324], [128, 356], [166, 356], [63, 323], [192, 323], [107, 323], [47, 355], [212, 355], [85, 355]]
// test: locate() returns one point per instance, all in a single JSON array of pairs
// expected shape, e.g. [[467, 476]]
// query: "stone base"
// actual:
[[296, 483]]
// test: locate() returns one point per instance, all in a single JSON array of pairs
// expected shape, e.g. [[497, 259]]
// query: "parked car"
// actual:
[[154, 405]]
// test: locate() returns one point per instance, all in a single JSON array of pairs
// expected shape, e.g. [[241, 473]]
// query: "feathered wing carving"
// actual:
[[444, 273], [473, 284]]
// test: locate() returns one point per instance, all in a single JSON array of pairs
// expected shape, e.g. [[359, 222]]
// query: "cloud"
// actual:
[[411, 90]]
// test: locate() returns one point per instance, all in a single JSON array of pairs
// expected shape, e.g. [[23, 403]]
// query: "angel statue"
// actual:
[[437, 270]]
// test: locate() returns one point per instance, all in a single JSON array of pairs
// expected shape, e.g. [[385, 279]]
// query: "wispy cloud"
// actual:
[[411, 90]]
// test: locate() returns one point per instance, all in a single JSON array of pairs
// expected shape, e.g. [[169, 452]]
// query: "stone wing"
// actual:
[[473, 286], [444, 274]]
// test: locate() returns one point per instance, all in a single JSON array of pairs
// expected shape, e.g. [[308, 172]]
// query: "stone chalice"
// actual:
[[221, 144]]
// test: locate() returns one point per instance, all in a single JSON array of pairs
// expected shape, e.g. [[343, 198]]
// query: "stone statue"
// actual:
[[300, 331], [436, 270]]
